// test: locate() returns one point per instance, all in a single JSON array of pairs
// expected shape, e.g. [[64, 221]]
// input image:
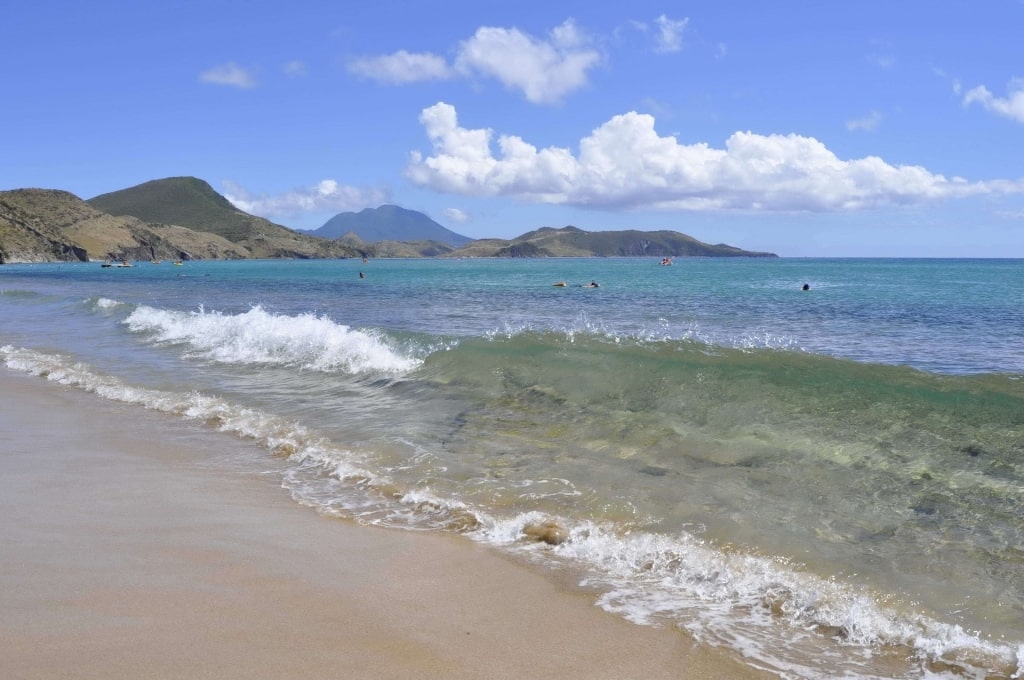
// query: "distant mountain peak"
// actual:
[[388, 222]]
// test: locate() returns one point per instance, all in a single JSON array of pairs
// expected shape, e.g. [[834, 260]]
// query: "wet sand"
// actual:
[[132, 548]]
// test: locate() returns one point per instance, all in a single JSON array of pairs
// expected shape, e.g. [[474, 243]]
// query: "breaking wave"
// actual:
[[307, 341]]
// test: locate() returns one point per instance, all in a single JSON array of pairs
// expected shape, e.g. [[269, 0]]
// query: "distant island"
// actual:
[[183, 218]]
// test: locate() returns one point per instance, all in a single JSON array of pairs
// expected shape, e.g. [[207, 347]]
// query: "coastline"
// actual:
[[130, 551]]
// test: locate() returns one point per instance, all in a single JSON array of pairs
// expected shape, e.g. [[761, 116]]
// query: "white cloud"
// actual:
[[868, 123], [325, 196], [402, 67], [667, 33], [1012, 106], [625, 164], [230, 74], [545, 71], [456, 215], [670, 34]]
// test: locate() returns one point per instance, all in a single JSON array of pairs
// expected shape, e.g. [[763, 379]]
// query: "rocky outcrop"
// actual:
[[26, 237]]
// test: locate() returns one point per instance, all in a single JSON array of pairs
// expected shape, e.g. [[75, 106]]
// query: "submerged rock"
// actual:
[[549, 532]]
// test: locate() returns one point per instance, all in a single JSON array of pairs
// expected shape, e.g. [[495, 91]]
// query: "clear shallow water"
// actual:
[[829, 482]]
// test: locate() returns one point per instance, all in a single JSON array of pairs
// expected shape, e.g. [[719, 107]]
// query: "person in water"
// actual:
[[592, 284], [807, 286]]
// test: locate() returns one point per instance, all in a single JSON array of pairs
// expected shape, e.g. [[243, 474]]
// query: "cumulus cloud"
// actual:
[[402, 67], [1011, 106], [670, 34], [625, 164], [230, 74], [545, 70], [327, 195]]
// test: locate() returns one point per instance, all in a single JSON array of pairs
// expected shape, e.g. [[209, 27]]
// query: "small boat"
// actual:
[[177, 263], [124, 263], [106, 263]]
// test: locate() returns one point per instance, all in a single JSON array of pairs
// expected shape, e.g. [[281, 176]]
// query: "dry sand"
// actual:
[[129, 549]]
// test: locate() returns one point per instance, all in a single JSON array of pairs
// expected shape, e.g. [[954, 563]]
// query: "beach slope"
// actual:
[[133, 549]]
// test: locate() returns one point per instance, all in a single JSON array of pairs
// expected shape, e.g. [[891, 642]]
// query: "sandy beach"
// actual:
[[130, 550]]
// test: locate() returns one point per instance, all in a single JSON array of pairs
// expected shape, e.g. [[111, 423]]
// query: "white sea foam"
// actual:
[[779, 615], [259, 337], [280, 436], [663, 331], [107, 303]]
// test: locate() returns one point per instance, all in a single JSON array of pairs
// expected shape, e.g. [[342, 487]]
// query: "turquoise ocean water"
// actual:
[[828, 482]]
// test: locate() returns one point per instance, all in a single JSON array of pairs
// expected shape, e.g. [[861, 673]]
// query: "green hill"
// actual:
[[191, 202], [187, 201]]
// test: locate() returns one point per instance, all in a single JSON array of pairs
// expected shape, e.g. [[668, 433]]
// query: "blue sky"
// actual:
[[803, 128]]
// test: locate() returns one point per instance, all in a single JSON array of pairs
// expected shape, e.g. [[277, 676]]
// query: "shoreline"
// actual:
[[133, 550]]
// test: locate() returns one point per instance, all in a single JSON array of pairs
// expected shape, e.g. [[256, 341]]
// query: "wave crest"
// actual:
[[258, 337]]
